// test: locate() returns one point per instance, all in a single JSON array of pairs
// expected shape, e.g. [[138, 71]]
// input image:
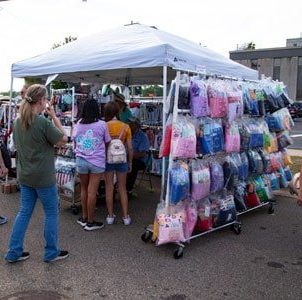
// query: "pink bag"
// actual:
[[191, 218], [218, 100], [232, 138]]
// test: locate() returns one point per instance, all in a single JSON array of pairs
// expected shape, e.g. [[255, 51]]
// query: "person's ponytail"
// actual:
[[34, 93]]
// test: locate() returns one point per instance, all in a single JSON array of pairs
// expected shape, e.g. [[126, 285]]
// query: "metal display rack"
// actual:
[[234, 225]]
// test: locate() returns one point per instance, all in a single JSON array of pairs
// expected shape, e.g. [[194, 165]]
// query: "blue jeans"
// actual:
[[49, 199]]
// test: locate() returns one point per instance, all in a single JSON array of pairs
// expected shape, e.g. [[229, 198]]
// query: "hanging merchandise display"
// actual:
[[226, 159]]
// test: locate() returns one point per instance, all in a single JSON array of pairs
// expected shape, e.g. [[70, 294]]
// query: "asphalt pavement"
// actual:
[[296, 134], [263, 262]]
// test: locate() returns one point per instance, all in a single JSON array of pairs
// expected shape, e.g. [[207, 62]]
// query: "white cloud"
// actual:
[[31, 27]]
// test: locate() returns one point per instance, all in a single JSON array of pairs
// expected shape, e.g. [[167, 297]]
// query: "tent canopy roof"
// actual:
[[132, 54]]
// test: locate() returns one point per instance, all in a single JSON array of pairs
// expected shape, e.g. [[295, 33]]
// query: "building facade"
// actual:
[[283, 64]]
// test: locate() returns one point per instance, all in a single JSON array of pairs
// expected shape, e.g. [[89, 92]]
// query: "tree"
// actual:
[[153, 90], [247, 46]]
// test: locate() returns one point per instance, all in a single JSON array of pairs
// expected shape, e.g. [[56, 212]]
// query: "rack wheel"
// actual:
[[75, 210], [178, 253], [271, 208], [146, 236], [236, 228]]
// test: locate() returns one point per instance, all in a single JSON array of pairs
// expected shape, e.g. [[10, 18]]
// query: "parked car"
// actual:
[[295, 110]]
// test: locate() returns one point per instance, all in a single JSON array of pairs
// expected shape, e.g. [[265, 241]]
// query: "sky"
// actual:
[[31, 27]]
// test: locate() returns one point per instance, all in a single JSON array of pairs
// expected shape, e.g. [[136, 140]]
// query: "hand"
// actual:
[[3, 171], [299, 201], [50, 112]]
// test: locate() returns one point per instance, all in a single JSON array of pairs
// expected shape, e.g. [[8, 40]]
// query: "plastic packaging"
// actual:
[[205, 220], [199, 98], [201, 180], [179, 182], [217, 99], [232, 138], [217, 177]]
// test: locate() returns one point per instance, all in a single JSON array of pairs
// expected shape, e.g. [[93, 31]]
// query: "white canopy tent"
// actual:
[[130, 55], [133, 54]]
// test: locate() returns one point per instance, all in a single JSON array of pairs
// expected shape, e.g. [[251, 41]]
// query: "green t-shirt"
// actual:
[[125, 115], [35, 163]]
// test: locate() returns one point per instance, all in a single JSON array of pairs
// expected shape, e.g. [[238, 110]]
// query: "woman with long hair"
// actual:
[[35, 137], [117, 129], [90, 136]]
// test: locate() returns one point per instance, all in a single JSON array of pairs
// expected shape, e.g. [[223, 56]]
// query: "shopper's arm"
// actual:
[[58, 125], [3, 169]]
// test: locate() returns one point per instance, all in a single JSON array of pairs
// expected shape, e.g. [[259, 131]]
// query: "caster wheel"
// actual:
[[75, 210], [146, 236], [178, 253], [271, 209], [236, 228]]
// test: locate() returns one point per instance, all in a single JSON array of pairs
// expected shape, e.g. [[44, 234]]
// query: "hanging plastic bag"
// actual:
[[199, 98], [224, 211], [288, 174], [183, 138], [255, 162], [287, 161], [179, 182], [191, 218], [65, 173], [165, 146], [244, 167], [235, 102], [211, 139], [201, 181], [217, 99], [171, 225], [183, 94], [217, 177], [282, 178], [239, 196], [231, 173], [274, 178], [284, 140], [205, 220], [232, 138], [252, 199], [267, 167]]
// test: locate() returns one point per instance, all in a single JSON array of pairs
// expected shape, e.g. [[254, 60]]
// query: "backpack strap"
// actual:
[[122, 131]]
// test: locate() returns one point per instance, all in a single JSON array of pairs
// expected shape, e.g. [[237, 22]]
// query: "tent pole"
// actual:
[[164, 126], [10, 104]]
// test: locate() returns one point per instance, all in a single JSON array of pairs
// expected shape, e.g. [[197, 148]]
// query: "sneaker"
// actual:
[[24, 256], [62, 255], [110, 220], [82, 221], [94, 225], [127, 220]]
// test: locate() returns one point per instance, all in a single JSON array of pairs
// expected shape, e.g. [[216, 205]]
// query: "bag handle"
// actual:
[[122, 131]]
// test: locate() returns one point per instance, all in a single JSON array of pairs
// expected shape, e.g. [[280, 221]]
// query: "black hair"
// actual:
[[90, 112]]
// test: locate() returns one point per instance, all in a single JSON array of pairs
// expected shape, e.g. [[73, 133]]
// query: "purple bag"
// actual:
[[199, 99]]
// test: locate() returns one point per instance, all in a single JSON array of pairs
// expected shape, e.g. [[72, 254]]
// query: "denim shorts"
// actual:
[[85, 167], [121, 168]]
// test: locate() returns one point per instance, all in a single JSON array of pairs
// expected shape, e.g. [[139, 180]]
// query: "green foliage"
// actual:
[[58, 84], [152, 90], [32, 80]]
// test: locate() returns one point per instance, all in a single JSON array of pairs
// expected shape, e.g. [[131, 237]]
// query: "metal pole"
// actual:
[[174, 120], [164, 129], [10, 103]]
